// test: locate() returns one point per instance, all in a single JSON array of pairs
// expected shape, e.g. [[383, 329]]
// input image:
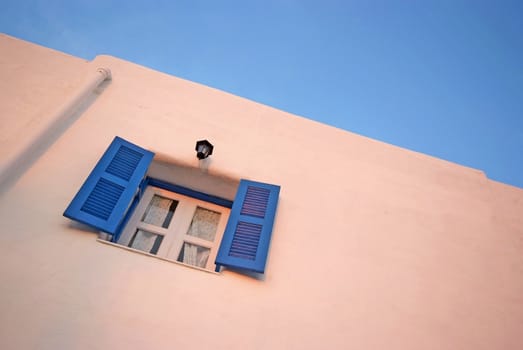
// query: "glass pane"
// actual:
[[160, 211], [204, 224], [193, 254], [146, 241]]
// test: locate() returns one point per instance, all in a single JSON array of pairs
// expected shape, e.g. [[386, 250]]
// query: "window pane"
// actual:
[[193, 254], [160, 211], [146, 241], [204, 224]]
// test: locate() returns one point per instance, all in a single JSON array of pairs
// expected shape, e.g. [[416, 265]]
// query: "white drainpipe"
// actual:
[[38, 141]]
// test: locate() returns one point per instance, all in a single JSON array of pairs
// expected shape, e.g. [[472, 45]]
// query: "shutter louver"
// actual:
[[104, 198], [124, 163], [246, 240], [245, 243], [255, 203]]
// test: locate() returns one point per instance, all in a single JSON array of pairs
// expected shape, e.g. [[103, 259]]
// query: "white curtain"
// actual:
[[195, 255], [143, 240], [157, 211], [204, 224]]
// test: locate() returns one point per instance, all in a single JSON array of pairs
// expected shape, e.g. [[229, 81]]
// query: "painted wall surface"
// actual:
[[34, 81], [374, 246]]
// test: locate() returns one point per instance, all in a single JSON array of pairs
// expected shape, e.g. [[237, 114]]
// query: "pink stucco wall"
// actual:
[[374, 246]]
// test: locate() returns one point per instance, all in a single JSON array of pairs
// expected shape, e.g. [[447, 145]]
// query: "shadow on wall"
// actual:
[[15, 168], [250, 274], [82, 228]]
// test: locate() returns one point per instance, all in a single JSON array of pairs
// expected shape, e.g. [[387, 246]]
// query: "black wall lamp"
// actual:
[[203, 149]]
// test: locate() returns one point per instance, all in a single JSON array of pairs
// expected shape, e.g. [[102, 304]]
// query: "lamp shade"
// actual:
[[203, 149]]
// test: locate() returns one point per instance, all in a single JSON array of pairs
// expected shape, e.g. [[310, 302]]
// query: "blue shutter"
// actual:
[[104, 198], [245, 243]]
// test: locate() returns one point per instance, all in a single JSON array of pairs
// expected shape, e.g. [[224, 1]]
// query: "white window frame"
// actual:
[[176, 234]]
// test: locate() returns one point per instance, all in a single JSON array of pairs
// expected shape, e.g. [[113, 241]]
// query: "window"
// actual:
[[173, 221], [176, 227]]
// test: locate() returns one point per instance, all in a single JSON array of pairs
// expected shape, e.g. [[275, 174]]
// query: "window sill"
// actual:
[[156, 256]]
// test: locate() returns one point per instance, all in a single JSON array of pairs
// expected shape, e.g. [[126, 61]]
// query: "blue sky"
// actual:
[[440, 77]]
